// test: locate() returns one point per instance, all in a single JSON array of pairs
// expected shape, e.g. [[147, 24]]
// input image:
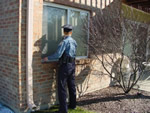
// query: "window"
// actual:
[[55, 16]]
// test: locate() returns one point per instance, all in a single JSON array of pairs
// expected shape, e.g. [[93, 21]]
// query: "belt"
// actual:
[[70, 60], [66, 60]]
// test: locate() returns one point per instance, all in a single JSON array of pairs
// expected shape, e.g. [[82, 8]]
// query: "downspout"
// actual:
[[29, 55]]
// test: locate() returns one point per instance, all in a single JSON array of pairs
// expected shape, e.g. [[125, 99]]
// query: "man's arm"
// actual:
[[59, 52]]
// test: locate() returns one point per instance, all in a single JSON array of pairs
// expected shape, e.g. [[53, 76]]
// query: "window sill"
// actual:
[[50, 64], [83, 61], [78, 62]]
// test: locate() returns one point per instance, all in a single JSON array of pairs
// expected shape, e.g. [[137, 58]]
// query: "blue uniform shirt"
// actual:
[[68, 45]]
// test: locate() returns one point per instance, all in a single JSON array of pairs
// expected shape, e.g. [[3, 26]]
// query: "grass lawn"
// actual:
[[55, 108]]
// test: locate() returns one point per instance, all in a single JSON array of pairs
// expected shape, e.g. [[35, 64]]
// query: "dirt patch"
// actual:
[[113, 100]]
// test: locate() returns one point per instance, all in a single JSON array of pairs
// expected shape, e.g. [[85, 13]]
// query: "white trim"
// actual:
[[77, 58], [68, 16], [29, 55], [62, 6], [81, 57], [88, 34]]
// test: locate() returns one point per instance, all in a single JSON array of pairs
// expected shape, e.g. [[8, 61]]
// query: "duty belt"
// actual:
[[66, 59], [70, 59]]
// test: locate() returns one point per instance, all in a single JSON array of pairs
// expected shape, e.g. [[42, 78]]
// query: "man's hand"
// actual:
[[45, 59]]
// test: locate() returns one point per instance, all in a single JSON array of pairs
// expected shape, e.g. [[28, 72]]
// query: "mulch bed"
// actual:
[[113, 100]]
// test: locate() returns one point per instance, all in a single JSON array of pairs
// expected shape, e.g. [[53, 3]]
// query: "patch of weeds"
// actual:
[[55, 108], [79, 110]]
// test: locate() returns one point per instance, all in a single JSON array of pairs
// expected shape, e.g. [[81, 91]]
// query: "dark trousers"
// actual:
[[66, 76]]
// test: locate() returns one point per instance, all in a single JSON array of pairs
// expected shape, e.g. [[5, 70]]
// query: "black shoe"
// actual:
[[71, 107], [56, 112]]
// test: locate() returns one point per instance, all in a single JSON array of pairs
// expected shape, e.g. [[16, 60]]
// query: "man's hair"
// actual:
[[67, 30]]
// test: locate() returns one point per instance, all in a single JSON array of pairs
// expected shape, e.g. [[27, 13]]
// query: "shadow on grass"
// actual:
[[112, 98]]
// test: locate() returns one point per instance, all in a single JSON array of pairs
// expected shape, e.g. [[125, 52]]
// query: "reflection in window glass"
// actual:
[[79, 20], [56, 16], [53, 19]]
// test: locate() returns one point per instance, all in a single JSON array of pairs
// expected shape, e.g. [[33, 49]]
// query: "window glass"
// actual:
[[53, 19], [56, 16], [79, 20]]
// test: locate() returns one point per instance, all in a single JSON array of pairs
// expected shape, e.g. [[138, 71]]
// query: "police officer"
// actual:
[[66, 53]]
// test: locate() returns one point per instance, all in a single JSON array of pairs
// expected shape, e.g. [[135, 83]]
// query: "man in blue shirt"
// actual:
[[66, 53]]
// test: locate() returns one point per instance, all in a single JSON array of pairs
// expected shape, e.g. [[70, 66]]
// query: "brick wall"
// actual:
[[45, 75], [9, 79], [13, 57]]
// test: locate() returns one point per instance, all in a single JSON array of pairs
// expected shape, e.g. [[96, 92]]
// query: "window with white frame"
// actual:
[[55, 16]]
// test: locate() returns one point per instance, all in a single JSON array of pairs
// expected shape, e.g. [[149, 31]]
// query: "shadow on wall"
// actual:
[[82, 79], [90, 77], [48, 47], [44, 78]]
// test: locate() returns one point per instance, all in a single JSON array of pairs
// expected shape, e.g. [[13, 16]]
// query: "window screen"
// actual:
[[56, 16], [53, 19], [79, 21]]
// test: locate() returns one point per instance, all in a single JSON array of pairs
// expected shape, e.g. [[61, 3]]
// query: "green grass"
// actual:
[[55, 108]]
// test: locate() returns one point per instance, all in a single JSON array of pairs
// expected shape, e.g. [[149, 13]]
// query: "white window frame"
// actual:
[[68, 15]]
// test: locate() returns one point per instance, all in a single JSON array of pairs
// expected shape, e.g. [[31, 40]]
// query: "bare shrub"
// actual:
[[120, 46]]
